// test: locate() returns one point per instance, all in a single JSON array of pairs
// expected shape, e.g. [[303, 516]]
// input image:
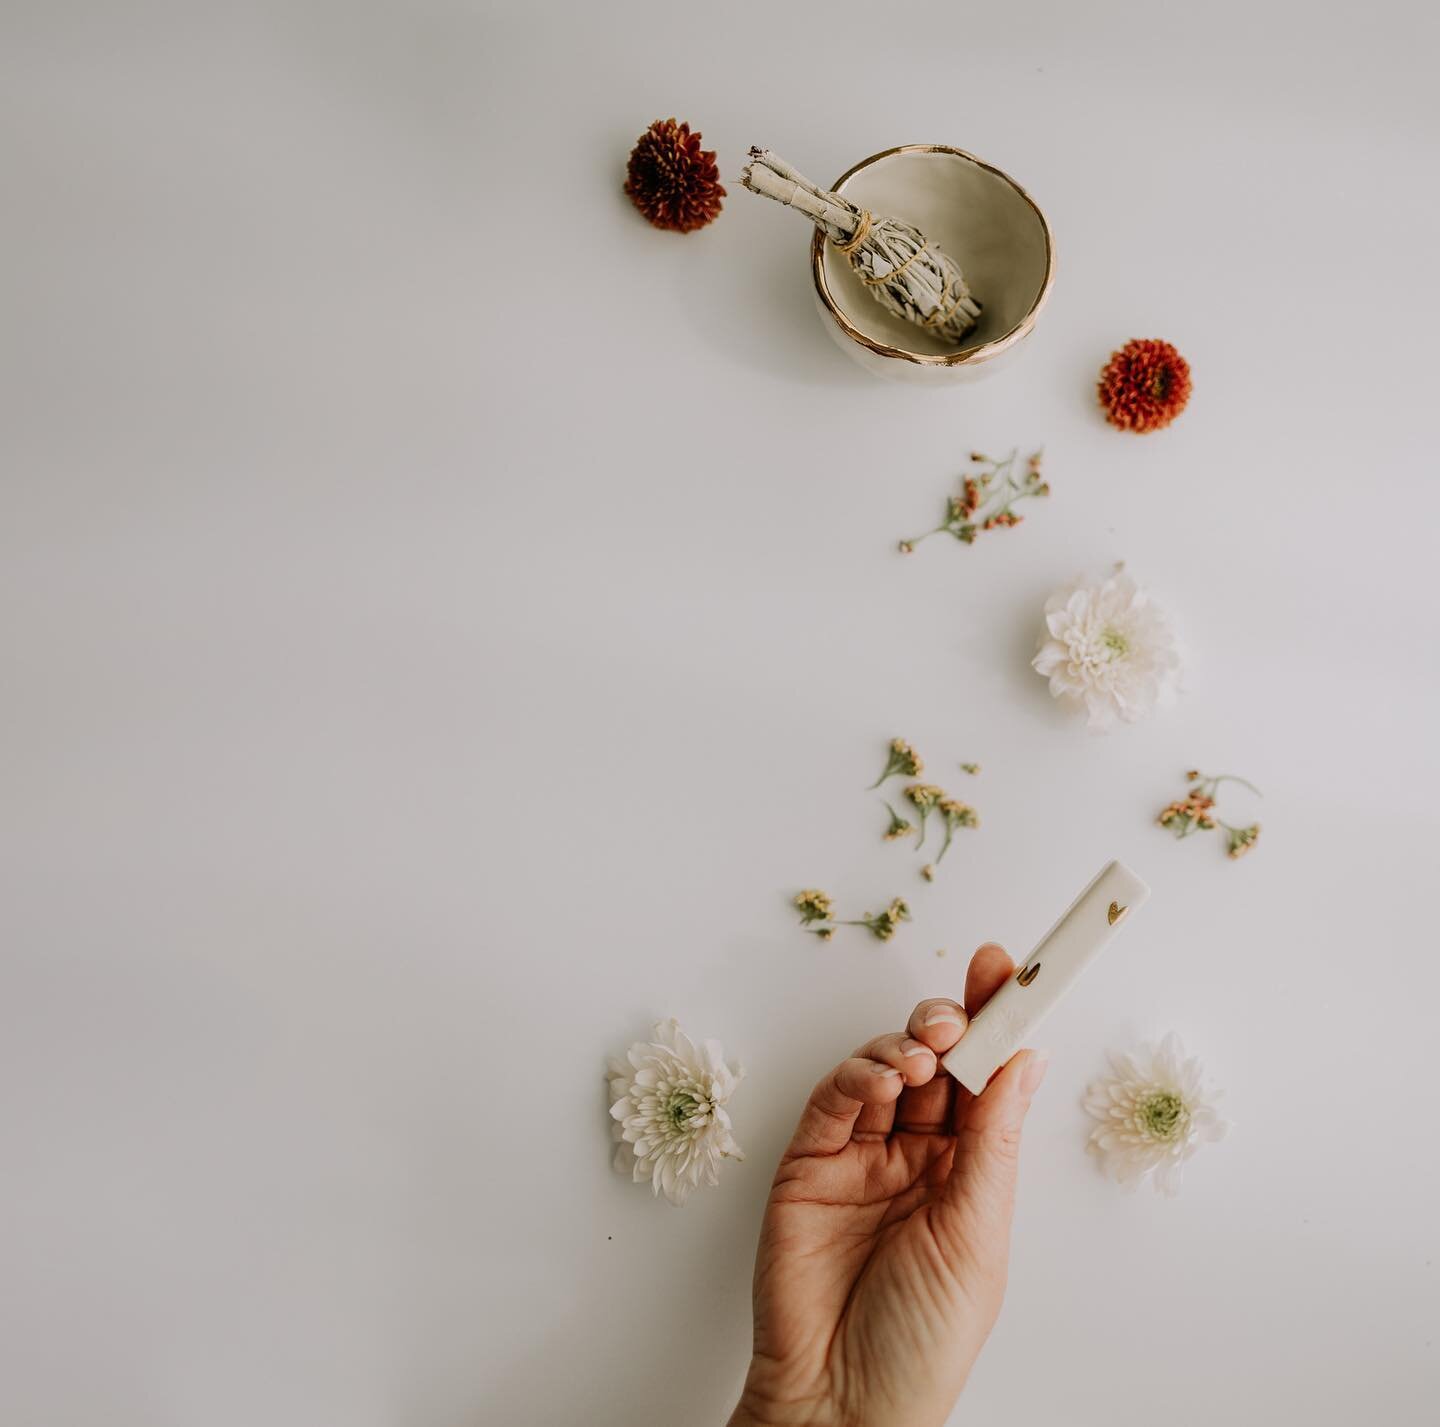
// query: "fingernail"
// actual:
[[1035, 1064], [884, 1070], [915, 1048], [944, 1015]]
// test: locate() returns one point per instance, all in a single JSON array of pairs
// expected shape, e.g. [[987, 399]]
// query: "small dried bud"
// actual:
[[814, 906], [899, 827], [1185, 815], [924, 795], [1241, 840], [928, 871], [907, 761], [902, 759], [907, 547]]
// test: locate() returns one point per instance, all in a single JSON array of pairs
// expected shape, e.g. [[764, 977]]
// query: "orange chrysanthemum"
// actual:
[[1144, 386], [672, 180]]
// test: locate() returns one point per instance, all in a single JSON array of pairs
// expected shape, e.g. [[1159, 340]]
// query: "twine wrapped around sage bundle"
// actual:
[[900, 268]]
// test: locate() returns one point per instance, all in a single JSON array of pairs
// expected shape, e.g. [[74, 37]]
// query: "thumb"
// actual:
[[981, 1186]]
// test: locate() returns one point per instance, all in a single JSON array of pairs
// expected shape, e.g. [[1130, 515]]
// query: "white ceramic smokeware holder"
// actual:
[[1011, 1016], [983, 219]]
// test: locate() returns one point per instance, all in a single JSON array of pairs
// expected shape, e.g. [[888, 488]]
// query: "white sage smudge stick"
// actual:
[[900, 268]]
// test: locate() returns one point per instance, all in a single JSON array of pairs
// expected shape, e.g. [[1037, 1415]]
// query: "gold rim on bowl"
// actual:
[[971, 356]]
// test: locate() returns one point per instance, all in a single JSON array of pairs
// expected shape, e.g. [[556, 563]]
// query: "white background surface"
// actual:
[[444, 618]]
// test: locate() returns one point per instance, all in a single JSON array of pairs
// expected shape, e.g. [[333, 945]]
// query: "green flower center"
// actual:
[[1115, 642], [681, 1107], [1161, 1114]]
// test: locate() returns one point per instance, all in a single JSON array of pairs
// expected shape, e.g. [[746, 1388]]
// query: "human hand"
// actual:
[[886, 1239]]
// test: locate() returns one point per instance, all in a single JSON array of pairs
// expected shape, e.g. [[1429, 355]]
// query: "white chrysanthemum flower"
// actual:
[[1155, 1111], [1107, 647], [668, 1099]]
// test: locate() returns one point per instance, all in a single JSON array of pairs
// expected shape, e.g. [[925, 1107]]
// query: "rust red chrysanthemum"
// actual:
[[1144, 386], [672, 180]]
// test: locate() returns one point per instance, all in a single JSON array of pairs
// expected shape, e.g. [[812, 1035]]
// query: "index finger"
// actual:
[[990, 968]]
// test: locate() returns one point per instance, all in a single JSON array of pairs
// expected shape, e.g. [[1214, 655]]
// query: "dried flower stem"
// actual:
[[815, 905], [1195, 812], [903, 760], [923, 797], [988, 496], [1211, 784], [956, 814]]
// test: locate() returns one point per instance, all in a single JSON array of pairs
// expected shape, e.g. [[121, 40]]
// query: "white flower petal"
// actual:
[[1050, 658], [1167, 1178]]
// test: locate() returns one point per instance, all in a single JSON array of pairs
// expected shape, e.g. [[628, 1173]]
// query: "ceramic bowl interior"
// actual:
[[979, 216]]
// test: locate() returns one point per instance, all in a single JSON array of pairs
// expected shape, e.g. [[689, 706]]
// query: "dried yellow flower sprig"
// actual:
[[1239, 840], [1195, 812], [815, 906], [903, 760], [924, 798], [956, 814], [988, 497]]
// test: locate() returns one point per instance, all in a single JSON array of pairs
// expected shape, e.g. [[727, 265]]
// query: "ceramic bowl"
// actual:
[[983, 219]]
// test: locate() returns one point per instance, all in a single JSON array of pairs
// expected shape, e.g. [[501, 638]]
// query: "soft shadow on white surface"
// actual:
[[756, 307]]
